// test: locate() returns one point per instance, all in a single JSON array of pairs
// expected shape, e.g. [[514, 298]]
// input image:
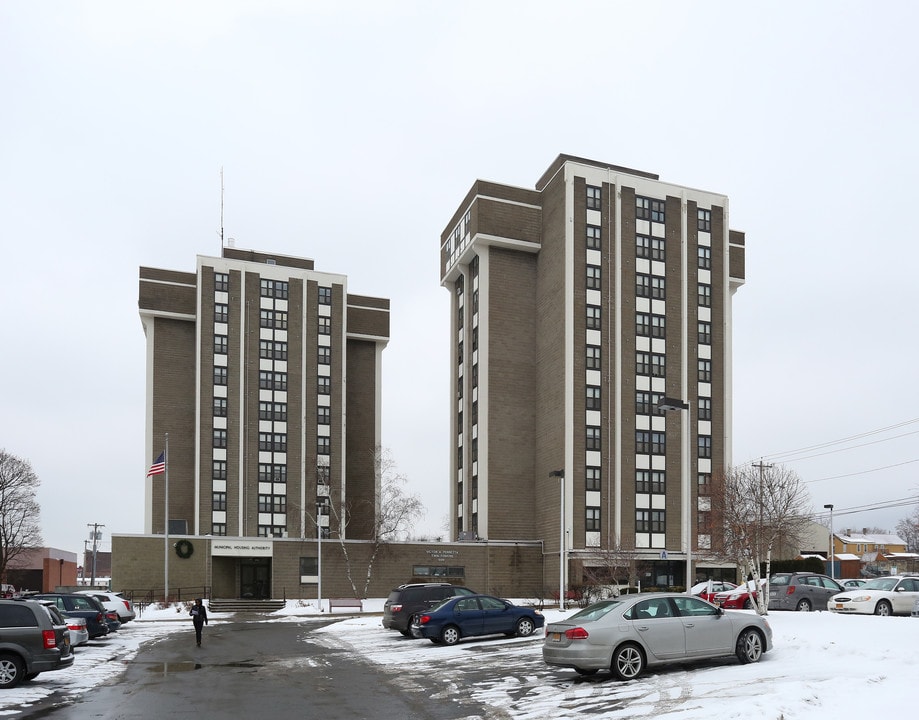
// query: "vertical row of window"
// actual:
[[221, 378], [272, 442], [323, 414], [704, 403], [593, 360]]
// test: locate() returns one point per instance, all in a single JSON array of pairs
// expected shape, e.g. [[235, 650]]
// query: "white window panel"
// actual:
[[594, 457], [220, 423], [641, 540], [659, 502], [705, 238], [593, 417], [220, 391], [658, 230], [592, 539], [594, 297], [220, 453], [643, 227], [642, 501], [658, 462], [219, 516], [594, 257], [705, 313], [642, 422], [594, 217], [705, 465], [325, 310], [658, 540], [219, 485], [705, 503], [592, 498], [705, 276], [642, 265]]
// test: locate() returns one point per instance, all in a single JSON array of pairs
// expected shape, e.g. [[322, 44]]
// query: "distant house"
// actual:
[[877, 553]]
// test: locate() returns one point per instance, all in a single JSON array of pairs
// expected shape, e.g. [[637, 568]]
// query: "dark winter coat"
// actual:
[[198, 615]]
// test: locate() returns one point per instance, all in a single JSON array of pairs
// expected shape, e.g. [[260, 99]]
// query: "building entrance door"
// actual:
[[255, 578]]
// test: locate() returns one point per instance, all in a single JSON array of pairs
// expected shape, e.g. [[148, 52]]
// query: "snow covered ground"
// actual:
[[822, 666]]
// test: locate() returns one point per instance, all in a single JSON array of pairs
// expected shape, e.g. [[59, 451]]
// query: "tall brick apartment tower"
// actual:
[[266, 375], [577, 307]]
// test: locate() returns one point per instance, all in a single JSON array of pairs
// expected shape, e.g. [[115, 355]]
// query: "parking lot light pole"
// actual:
[[560, 474], [686, 506], [832, 544]]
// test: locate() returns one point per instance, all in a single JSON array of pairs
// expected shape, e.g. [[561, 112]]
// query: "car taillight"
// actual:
[[424, 619], [395, 608], [577, 633], [790, 590], [127, 605], [100, 618], [48, 639]]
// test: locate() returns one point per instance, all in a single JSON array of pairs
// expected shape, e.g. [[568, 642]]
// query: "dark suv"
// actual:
[[31, 642], [84, 606], [801, 591], [407, 600]]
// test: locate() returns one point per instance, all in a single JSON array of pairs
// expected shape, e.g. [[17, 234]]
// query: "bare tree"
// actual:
[[762, 508], [618, 565], [395, 513], [19, 509], [908, 531]]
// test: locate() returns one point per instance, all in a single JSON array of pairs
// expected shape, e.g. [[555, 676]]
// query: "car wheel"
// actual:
[[804, 606], [628, 662], [749, 646], [406, 632], [582, 671], [883, 608], [525, 627], [450, 635], [12, 670]]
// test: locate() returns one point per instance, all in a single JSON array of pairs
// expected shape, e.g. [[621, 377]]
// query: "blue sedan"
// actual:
[[470, 615]]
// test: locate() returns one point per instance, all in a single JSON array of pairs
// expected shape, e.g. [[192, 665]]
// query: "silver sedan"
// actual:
[[627, 634]]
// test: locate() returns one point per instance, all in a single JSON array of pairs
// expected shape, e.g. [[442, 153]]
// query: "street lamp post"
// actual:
[[562, 559], [686, 508], [832, 544]]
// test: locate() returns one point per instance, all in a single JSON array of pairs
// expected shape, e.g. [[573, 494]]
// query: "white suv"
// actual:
[[894, 595], [113, 601]]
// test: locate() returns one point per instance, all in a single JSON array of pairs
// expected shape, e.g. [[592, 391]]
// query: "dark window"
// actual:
[[218, 529], [650, 482], [323, 445], [648, 442], [705, 483], [594, 237], [592, 519], [220, 438], [268, 380], [324, 385], [593, 357], [705, 258], [272, 349], [649, 209], [704, 408], [325, 355], [593, 478], [272, 442], [650, 248], [325, 326], [593, 397], [594, 279], [705, 370], [593, 437], [646, 402], [220, 344], [220, 375], [221, 282], [274, 288], [704, 222], [593, 317], [220, 407], [705, 295], [593, 197], [272, 411], [705, 446], [325, 296], [276, 319], [218, 501], [650, 286], [268, 472], [705, 333], [323, 415], [218, 469], [309, 566], [221, 312], [650, 325]]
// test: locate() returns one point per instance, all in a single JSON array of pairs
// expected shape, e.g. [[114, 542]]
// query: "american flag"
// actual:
[[159, 465]]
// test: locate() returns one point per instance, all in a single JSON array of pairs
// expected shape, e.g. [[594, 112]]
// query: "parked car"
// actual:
[[407, 600], [852, 583], [88, 608], [915, 612], [31, 642], [76, 627], [472, 615], [627, 634], [7, 591], [708, 589], [894, 595], [113, 601], [742, 597], [111, 619], [801, 591]]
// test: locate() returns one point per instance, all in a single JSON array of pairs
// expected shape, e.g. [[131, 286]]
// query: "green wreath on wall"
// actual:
[[184, 549]]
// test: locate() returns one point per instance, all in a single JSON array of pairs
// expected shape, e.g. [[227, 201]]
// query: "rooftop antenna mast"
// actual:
[[221, 211]]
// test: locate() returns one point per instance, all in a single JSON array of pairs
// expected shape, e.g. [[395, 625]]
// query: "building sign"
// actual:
[[442, 554], [241, 548]]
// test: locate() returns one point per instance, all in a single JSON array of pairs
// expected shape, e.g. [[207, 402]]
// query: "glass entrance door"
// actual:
[[255, 578]]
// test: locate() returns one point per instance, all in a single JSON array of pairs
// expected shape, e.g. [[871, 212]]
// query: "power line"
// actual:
[[861, 472]]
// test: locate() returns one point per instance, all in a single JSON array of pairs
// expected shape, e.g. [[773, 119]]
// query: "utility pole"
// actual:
[[95, 538]]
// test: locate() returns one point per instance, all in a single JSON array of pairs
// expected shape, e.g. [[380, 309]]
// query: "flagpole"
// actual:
[[166, 526]]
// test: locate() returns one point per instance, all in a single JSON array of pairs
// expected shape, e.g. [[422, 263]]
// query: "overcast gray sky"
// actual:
[[350, 132]]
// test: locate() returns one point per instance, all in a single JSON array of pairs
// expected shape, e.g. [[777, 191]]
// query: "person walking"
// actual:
[[199, 618]]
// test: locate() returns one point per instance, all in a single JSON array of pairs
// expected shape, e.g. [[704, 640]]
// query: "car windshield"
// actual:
[[596, 611], [884, 583]]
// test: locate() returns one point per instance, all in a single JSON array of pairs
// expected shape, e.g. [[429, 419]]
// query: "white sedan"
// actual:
[[894, 595]]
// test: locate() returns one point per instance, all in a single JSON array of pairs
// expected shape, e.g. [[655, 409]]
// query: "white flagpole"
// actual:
[[166, 526]]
